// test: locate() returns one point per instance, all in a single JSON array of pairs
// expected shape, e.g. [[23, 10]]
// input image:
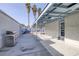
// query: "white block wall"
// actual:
[[6, 23], [72, 30]]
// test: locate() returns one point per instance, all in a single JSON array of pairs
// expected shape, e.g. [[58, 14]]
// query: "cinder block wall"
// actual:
[[51, 29], [72, 30], [6, 23]]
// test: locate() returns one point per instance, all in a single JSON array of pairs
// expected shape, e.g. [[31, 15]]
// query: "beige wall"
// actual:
[[6, 23], [51, 29], [72, 29]]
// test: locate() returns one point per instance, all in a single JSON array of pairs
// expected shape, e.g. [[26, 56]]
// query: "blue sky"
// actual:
[[18, 11]]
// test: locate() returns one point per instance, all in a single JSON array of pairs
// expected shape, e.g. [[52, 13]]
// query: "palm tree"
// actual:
[[28, 11], [39, 11], [34, 9]]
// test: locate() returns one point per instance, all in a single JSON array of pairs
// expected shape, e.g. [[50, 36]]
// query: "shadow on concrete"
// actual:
[[48, 42]]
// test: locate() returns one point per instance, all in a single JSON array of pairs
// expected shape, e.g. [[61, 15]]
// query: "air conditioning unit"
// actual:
[[9, 40]]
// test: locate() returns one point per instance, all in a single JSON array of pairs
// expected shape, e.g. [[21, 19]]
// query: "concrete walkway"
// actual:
[[27, 45], [58, 47]]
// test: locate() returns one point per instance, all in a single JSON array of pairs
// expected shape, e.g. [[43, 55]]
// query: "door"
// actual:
[[61, 30]]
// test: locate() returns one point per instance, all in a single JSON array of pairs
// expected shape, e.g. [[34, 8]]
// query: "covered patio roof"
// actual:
[[54, 11]]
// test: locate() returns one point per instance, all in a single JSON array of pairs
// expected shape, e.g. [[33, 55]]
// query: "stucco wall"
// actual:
[[0, 41], [6, 23], [51, 29], [72, 29]]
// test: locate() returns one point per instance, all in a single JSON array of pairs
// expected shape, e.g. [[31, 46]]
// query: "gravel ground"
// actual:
[[27, 45]]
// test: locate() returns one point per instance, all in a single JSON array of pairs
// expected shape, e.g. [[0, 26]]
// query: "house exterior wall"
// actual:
[[52, 29], [70, 44], [7, 23], [72, 30]]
